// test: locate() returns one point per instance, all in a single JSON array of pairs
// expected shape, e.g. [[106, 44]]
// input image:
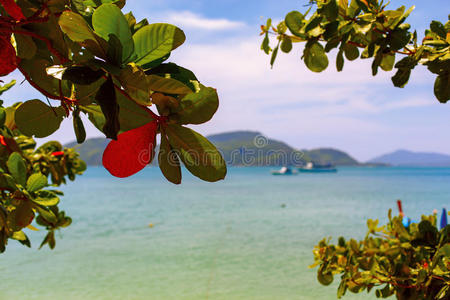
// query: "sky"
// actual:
[[351, 110]]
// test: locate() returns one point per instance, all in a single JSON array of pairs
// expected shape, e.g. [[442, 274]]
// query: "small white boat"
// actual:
[[314, 168], [284, 171]]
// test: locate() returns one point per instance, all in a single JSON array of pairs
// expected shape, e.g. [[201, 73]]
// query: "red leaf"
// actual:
[[13, 9], [132, 151], [8, 58]]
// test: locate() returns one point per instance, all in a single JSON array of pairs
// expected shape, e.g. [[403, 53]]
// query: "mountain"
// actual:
[[336, 157], [409, 158], [249, 148], [91, 151], [240, 148]]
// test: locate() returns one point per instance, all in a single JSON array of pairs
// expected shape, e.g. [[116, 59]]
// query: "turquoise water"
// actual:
[[229, 240]]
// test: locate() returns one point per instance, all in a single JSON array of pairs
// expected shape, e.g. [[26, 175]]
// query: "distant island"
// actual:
[[241, 148], [251, 148], [409, 158]]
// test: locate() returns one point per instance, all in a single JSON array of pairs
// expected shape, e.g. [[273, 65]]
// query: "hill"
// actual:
[[326, 155], [409, 158], [241, 148], [248, 148], [91, 151]]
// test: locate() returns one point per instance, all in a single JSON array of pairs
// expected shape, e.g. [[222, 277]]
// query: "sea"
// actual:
[[248, 237]]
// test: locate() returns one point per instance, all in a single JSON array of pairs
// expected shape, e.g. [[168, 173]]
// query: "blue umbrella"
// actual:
[[444, 218], [406, 221]]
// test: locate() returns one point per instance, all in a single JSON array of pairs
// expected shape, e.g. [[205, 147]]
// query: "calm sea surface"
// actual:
[[229, 240]]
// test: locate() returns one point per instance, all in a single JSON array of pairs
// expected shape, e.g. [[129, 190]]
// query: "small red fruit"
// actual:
[[2, 140], [58, 153]]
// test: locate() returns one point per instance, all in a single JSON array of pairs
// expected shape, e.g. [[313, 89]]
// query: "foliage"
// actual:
[[96, 61], [27, 175], [364, 29], [410, 263]]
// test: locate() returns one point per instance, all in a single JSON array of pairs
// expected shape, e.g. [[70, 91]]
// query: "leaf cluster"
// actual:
[[104, 64], [411, 263], [364, 29], [28, 175]]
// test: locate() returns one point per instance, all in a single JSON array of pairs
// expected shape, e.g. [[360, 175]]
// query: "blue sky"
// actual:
[[351, 110]]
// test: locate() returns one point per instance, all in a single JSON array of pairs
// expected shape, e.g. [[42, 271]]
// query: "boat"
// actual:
[[316, 168], [284, 171]]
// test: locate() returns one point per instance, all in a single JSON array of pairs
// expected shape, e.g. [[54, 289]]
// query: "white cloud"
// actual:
[[294, 104], [187, 19], [244, 80]]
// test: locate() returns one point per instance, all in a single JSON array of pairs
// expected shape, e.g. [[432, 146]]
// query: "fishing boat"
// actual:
[[284, 171], [316, 168]]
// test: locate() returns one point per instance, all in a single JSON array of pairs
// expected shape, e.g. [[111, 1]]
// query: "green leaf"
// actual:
[[171, 70], [388, 61], [115, 51], [82, 75], [6, 87], [22, 238], [331, 31], [85, 94], [315, 58], [132, 115], [340, 60], [167, 85], [294, 21], [313, 23], [341, 289], [78, 127], [48, 215], [199, 156], [274, 55], [46, 198], [78, 30], [108, 19], [49, 239], [37, 72], [351, 51], [7, 182], [132, 23], [325, 278], [265, 46], [135, 83], [198, 108], [155, 41], [286, 45], [35, 118], [21, 217], [438, 28], [404, 66], [169, 162], [36, 182], [399, 38], [442, 87], [376, 62], [17, 168], [330, 10], [26, 48], [106, 98], [95, 115], [2, 116]]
